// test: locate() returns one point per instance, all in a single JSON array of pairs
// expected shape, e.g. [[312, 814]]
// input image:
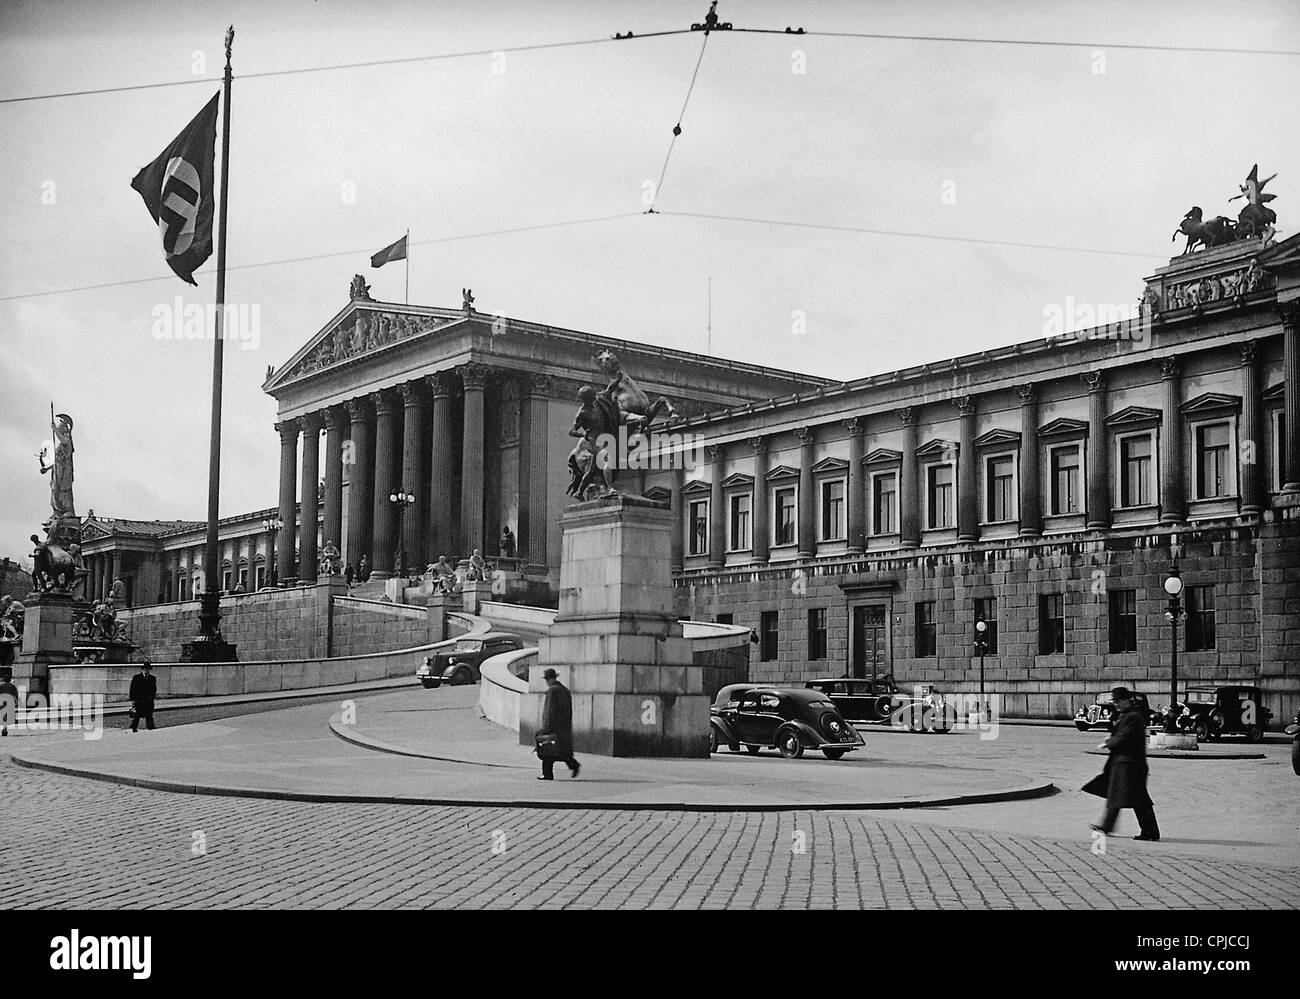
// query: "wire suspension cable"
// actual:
[[677, 129]]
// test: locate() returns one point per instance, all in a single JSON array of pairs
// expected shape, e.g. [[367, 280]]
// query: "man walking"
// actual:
[[557, 721], [144, 689], [8, 700], [1123, 783]]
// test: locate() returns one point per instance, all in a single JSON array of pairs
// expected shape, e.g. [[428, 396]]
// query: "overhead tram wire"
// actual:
[[323, 256], [677, 129]]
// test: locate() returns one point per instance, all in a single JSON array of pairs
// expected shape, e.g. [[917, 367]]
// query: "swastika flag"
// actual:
[[177, 190], [397, 251]]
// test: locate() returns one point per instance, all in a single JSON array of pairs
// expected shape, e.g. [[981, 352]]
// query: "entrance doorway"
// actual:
[[870, 641]]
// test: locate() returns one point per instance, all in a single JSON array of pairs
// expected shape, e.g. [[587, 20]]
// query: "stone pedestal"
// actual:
[[1182, 741], [47, 640], [439, 605], [473, 593], [616, 643]]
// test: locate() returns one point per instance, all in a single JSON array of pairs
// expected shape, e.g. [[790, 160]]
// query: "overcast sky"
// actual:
[[1030, 144]]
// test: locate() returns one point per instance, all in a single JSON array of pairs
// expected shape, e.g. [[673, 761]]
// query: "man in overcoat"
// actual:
[[1123, 783], [557, 720], [144, 690]]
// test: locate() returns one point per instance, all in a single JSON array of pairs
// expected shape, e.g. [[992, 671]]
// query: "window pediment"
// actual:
[[998, 438], [696, 486], [737, 479], [1063, 427], [830, 465], [1134, 417], [936, 448], [782, 472], [883, 456], [1211, 402]]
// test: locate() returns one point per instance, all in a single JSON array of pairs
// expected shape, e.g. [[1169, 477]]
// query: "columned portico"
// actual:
[[284, 568], [381, 544], [309, 506], [474, 377]]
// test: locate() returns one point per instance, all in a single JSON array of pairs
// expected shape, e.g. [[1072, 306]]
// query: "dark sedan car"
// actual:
[[1101, 713], [788, 720], [1212, 711], [459, 663]]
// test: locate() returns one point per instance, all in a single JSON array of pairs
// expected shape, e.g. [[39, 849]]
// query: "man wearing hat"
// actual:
[[557, 721], [144, 690], [8, 699], [1123, 783]]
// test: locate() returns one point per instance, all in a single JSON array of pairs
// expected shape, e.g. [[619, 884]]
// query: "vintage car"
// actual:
[[878, 699], [459, 663], [1101, 712], [786, 719], [1212, 711]]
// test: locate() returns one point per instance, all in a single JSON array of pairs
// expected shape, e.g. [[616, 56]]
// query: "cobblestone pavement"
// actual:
[[76, 843]]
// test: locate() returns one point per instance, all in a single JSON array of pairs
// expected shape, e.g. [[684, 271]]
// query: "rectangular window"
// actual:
[[261, 576], [699, 526], [1200, 619], [1000, 475], [817, 633], [1065, 480], [725, 619], [767, 636], [833, 510], [1123, 621], [740, 522], [986, 610], [1135, 471], [885, 503], [939, 495], [225, 580], [1212, 460], [783, 525], [925, 633], [1051, 624]]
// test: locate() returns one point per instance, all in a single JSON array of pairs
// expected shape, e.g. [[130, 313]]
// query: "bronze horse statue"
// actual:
[[635, 410], [1216, 232], [53, 567]]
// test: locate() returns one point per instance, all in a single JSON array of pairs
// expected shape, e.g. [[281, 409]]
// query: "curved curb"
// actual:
[[1188, 754], [349, 734]]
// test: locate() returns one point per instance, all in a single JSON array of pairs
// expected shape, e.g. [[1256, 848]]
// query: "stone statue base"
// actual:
[[616, 643], [47, 639]]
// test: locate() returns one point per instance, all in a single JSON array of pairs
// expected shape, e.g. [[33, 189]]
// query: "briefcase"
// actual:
[[548, 746]]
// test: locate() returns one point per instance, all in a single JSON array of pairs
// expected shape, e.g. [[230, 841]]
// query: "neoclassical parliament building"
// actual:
[[1047, 487]]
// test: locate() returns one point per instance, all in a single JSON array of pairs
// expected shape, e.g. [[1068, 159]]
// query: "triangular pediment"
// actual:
[[363, 329], [998, 438], [1210, 402], [738, 479], [1274, 393], [936, 447], [695, 486], [1282, 255], [883, 456], [658, 493], [1134, 416], [830, 465], [782, 472], [92, 532], [1064, 426]]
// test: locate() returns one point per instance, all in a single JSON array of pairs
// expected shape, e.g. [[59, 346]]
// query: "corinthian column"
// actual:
[[807, 501], [288, 430], [412, 429], [1251, 452], [474, 378], [909, 503], [856, 485], [335, 420], [760, 531], [361, 482], [968, 521], [381, 543], [1173, 491], [1098, 469], [717, 516], [309, 506], [1031, 504]]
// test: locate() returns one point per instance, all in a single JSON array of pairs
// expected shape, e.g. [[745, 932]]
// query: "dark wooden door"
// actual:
[[870, 643]]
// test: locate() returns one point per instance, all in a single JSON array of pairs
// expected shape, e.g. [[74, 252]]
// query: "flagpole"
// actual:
[[210, 641], [408, 266]]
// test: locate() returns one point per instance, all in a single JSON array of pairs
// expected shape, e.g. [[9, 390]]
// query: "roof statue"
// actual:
[[359, 291], [1255, 221]]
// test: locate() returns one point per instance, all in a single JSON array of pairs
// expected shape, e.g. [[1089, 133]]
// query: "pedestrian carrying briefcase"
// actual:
[[548, 746]]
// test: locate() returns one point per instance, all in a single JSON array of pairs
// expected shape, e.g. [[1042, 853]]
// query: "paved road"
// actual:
[[71, 842]]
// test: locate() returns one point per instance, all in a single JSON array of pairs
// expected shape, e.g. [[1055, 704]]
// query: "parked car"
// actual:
[[786, 719], [459, 664], [1213, 711], [879, 699], [1101, 712], [1293, 730]]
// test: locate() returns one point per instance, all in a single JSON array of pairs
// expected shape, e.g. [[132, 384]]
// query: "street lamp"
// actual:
[[1173, 614], [272, 526], [982, 646], [401, 499]]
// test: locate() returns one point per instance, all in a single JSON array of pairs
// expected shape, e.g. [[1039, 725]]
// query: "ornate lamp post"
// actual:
[[401, 499], [1173, 614], [982, 646], [272, 526]]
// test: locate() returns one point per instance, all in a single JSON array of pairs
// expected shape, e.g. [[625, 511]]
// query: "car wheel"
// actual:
[[915, 718], [753, 750], [833, 754], [713, 739], [1295, 755], [1254, 733], [789, 745], [462, 677], [884, 705], [734, 747], [428, 684], [1202, 729]]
